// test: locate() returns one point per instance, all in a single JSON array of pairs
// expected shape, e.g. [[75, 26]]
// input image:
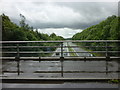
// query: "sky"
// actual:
[[64, 18]]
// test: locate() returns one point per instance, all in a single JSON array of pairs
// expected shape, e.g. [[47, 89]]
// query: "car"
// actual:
[[91, 55], [57, 54], [65, 54]]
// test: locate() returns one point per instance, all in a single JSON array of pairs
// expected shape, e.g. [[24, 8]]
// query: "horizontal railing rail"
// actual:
[[19, 46], [60, 41], [66, 52], [59, 58], [52, 46]]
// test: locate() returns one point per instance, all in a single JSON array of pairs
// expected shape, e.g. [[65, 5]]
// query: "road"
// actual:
[[80, 50], [59, 50], [77, 49]]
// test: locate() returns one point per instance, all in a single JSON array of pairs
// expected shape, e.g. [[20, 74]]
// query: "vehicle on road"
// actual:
[[57, 54], [65, 54]]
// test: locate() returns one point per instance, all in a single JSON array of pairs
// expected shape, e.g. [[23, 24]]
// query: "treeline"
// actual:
[[108, 29], [24, 32]]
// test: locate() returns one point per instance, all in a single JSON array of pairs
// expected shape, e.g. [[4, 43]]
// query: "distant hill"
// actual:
[[108, 29]]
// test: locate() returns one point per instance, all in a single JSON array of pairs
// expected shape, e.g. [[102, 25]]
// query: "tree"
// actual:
[[22, 21], [53, 35]]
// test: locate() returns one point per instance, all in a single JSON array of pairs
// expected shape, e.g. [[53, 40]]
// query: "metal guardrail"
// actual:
[[61, 46], [18, 46], [60, 41]]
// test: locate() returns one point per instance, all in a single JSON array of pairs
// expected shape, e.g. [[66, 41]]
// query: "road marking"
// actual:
[[72, 49]]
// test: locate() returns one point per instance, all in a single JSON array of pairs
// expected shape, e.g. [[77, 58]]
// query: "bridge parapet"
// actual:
[[24, 50]]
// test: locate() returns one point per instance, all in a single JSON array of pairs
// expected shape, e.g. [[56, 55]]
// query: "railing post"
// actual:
[[62, 49], [18, 60], [18, 67], [61, 59], [107, 57], [39, 59], [106, 49], [106, 67]]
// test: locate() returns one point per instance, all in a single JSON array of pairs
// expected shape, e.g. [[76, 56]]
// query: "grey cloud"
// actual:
[[74, 26], [92, 13], [77, 15]]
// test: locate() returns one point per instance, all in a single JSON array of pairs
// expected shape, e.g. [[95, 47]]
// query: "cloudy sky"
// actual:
[[63, 18]]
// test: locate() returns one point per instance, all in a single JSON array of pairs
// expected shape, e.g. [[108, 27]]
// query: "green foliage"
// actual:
[[13, 32], [71, 50], [108, 29], [114, 81], [24, 32], [22, 21], [54, 37]]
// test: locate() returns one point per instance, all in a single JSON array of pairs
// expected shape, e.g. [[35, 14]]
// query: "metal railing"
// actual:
[[14, 48], [18, 45]]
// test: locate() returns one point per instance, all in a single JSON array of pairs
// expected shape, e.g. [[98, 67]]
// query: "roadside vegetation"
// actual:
[[108, 29], [114, 81], [24, 32], [71, 50]]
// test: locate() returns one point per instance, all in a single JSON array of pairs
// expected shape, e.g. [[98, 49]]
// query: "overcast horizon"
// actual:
[[62, 18]]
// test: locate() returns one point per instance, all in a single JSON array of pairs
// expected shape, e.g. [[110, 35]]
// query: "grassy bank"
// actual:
[[89, 50], [71, 50], [114, 81]]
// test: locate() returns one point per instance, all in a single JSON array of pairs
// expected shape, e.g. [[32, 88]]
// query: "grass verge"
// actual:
[[71, 50], [94, 54], [114, 81]]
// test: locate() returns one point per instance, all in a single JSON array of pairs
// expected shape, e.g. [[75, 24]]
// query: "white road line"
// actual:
[[74, 50], [68, 54]]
